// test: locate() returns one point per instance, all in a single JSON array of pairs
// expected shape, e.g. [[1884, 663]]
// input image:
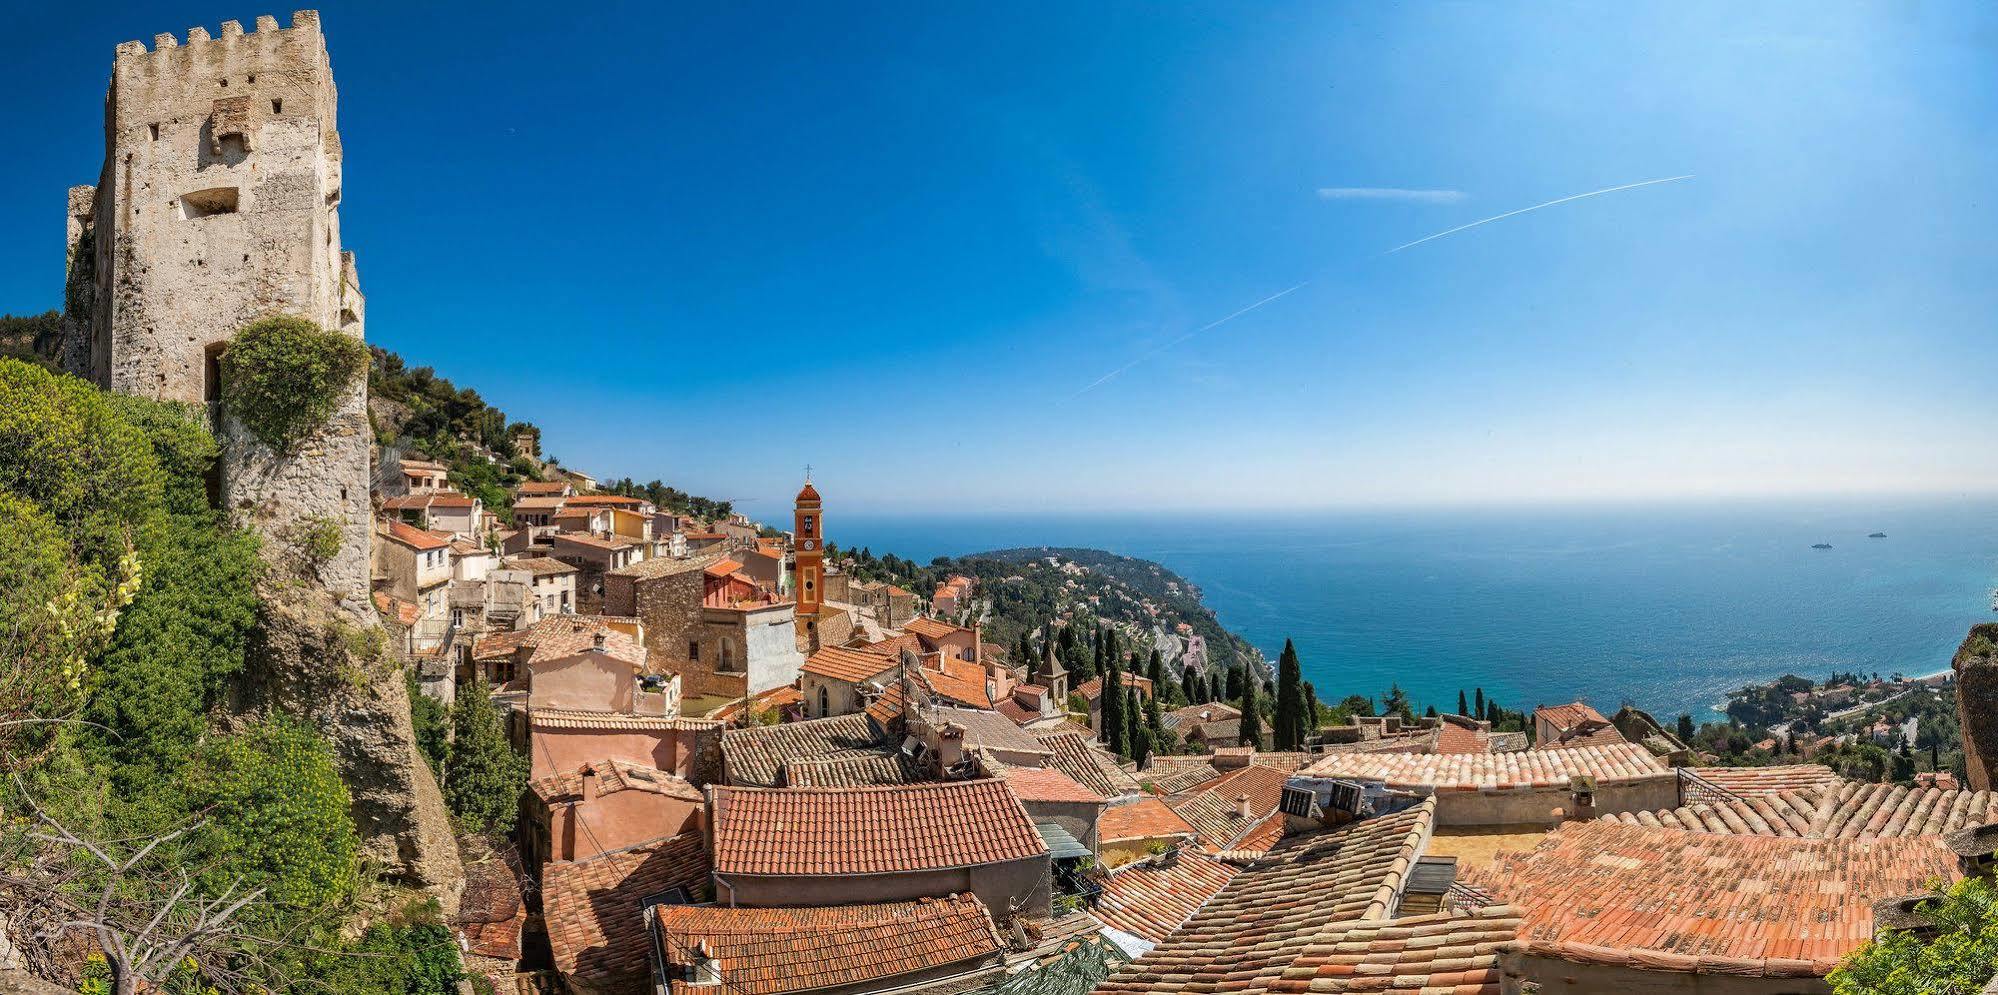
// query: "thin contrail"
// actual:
[[1107, 377], [1536, 207]]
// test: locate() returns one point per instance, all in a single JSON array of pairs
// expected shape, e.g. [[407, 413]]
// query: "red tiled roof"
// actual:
[[1768, 780], [1472, 771], [958, 680], [1151, 898], [851, 666], [722, 568], [1431, 955], [591, 907], [1293, 904], [1044, 784], [614, 776], [1841, 810], [1263, 785], [1012, 709], [756, 755], [1262, 836], [539, 503], [774, 951], [1665, 900], [888, 830], [541, 487], [415, 538], [1144, 819], [1568, 716], [607, 500], [1457, 735], [888, 706], [894, 645], [1095, 769], [930, 628], [403, 612]]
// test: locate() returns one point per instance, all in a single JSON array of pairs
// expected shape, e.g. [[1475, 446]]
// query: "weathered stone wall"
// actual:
[[1976, 666]]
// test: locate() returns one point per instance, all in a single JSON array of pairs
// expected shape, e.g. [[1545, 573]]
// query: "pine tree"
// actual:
[[1463, 707], [1289, 726], [1252, 713], [1111, 708], [483, 776]]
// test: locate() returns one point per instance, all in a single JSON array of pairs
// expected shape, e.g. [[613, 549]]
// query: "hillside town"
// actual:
[[588, 744]]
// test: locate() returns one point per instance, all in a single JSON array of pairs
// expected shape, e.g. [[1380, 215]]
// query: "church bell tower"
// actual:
[[808, 529]]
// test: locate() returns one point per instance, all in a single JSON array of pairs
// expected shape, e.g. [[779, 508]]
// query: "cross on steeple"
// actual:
[[808, 473]]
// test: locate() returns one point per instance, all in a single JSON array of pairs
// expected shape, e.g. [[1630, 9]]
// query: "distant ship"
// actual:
[[1820, 545], [1877, 535]]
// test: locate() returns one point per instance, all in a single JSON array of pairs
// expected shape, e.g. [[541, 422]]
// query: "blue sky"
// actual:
[[713, 243]]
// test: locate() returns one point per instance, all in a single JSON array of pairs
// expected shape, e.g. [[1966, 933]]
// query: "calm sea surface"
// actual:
[[1668, 607]]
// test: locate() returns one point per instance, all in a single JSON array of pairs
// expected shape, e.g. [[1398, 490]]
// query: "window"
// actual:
[[277, 107], [808, 524], [155, 129], [727, 657], [502, 671], [825, 702], [693, 651]]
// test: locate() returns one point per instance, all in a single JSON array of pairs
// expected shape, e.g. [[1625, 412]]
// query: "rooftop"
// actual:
[[862, 831], [614, 776], [1146, 818], [1088, 766], [1768, 780], [540, 566], [1665, 900], [756, 755], [1841, 810], [1304, 894], [847, 665], [591, 907], [1045, 784], [930, 628], [774, 951], [988, 730], [422, 540], [1152, 897], [861, 771], [1471, 771], [1458, 954]]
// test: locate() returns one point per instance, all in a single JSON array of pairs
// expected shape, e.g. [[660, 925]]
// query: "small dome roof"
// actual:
[[808, 493]]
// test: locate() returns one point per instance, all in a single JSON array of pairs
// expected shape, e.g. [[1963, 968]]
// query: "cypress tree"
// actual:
[[1685, 729], [1234, 682], [1196, 689], [1134, 725], [1111, 707], [1310, 710], [1430, 712], [1289, 727], [1252, 713], [1155, 669], [1479, 711], [1463, 707], [1215, 690]]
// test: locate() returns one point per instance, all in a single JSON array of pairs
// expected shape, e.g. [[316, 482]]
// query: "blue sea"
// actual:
[[1667, 607]]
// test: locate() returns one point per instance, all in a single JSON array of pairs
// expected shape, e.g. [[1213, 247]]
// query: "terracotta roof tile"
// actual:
[[1045, 784], [887, 707], [1303, 894], [614, 776], [1152, 897], [1768, 780], [959, 680], [988, 730], [871, 770], [1666, 900], [1455, 734], [1454, 954], [757, 755], [579, 718], [415, 538], [1087, 765], [893, 646], [887, 830], [774, 951], [1543, 768], [1841, 810], [1144, 819], [1092, 688], [1263, 785], [1179, 779], [930, 628], [1180, 719], [851, 666], [591, 907]]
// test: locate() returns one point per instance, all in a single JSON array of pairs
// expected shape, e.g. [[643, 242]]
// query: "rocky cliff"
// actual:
[[1976, 666], [314, 662]]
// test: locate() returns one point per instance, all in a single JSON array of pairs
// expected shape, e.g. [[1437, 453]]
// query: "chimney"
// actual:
[[598, 640], [589, 784], [1242, 807], [950, 746]]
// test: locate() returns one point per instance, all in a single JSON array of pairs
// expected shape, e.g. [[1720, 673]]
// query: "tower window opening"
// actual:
[[277, 107], [223, 82], [253, 78], [154, 128], [207, 203]]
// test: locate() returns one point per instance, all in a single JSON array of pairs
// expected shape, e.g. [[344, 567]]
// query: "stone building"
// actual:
[[218, 204]]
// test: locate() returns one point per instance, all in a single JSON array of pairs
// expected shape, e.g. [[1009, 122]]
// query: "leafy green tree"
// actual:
[[412, 953], [1395, 702], [1288, 729], [433, 725], [1958, 960], [483, 776]]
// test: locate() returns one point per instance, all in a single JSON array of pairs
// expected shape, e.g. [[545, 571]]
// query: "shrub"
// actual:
[[1958, 959], [283, 377], [65, 447], [319, 541], [413, 953], [277, 815]]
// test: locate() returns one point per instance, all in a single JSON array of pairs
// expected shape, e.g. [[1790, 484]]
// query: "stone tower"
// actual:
[[219, 203], [808, 526]]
